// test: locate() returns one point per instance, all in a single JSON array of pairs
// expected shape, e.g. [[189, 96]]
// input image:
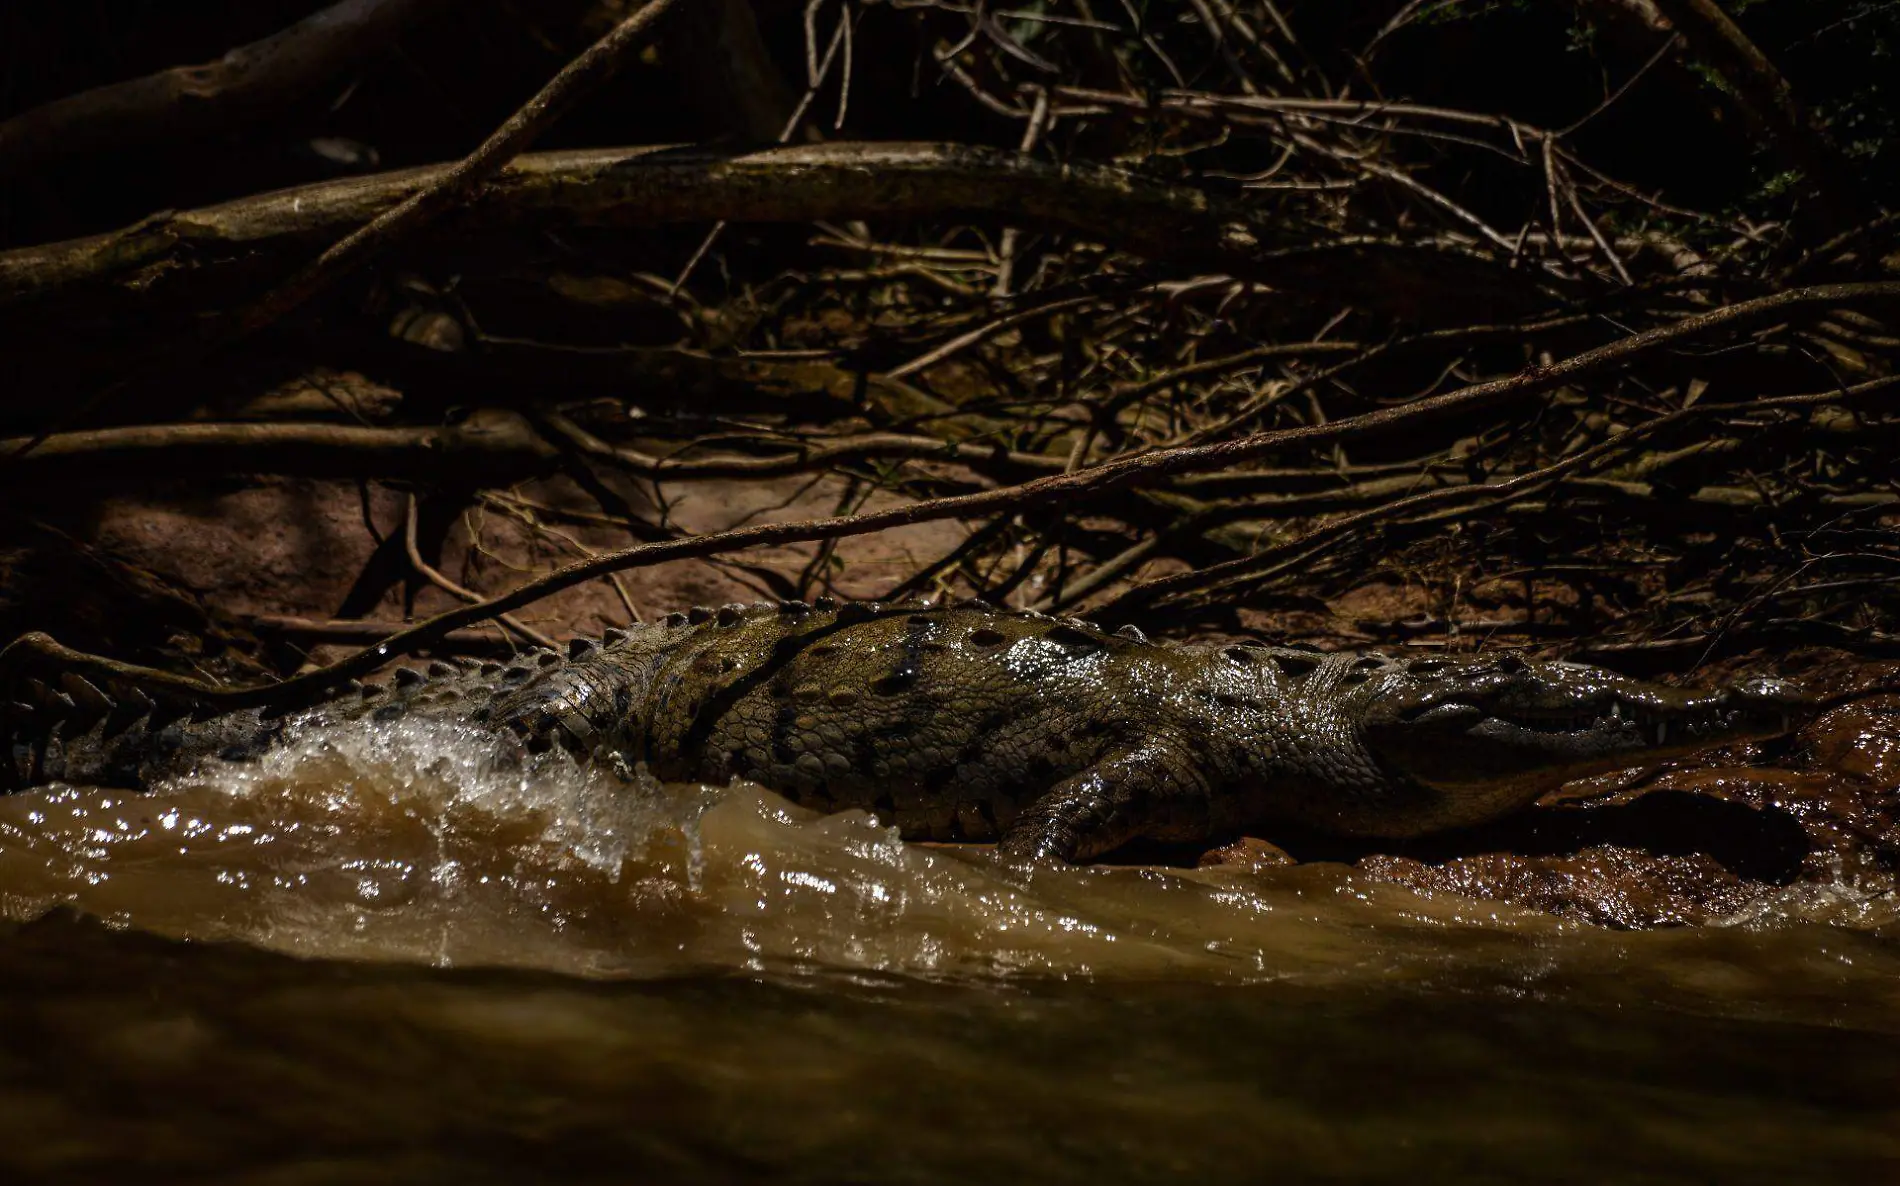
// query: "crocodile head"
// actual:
[[1483, 736]]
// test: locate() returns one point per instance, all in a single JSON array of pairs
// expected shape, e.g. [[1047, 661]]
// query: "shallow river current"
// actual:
[[370, 959]]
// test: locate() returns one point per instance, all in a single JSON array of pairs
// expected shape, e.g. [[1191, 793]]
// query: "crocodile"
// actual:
[[958, 721]]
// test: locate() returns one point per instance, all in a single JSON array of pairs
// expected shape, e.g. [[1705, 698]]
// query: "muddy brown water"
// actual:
[[369, 958]]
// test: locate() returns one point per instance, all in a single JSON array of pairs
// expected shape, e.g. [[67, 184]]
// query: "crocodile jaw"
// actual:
[[1486, 738]]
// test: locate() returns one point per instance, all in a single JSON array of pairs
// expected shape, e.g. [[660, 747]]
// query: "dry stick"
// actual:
[[442, 582], [1268, 395], [987, 329], [818, 455], [1285, 506], [1121, 396], [450, 188], [1006, 249], [524, 512], [1149, 592], [489, 446], [975, 542], [245, 87], [1059, 489]]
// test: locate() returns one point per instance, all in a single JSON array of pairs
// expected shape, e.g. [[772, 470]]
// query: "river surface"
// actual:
[[369, 958]]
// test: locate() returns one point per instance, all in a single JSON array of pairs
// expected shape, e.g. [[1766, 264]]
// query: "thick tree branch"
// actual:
[[192, 256], [248, 86], [491, 448]]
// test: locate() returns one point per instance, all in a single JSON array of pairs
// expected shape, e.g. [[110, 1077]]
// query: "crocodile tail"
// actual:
[[61, 725]]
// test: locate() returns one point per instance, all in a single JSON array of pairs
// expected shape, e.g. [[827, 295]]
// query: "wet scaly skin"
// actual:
[[1060, 740]]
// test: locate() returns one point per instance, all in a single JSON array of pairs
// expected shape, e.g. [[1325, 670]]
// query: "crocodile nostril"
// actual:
[[1512, 664]]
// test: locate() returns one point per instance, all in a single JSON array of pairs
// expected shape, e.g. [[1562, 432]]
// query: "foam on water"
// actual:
[[402, 841]]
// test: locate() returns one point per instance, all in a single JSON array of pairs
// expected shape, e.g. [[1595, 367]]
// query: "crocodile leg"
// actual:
[[1153, 791]]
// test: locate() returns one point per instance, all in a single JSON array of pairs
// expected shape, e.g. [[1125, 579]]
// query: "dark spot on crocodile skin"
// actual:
[[1041, 771], [675, 620], [491, 669], [1237, 654], [580, 648], [823, 649], [728, 663], [856, 611], [372, 691], [698, 615], [730, 613], [983, 737], [933, 648], [986, 638], [482, 714], [440, 669], [1512, 664], [547, 659], [794, 609], [387, 712], [1227, 700], [783, 721], [539, 743], [1355, 677], [514, 675], [1295, 664], [787, 647], [895, 682], [408, 677]]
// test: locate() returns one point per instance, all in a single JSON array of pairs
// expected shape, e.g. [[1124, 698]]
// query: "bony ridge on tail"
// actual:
[[960, 721]]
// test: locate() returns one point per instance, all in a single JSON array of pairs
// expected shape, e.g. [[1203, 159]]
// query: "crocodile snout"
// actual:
[[1774, 703]]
